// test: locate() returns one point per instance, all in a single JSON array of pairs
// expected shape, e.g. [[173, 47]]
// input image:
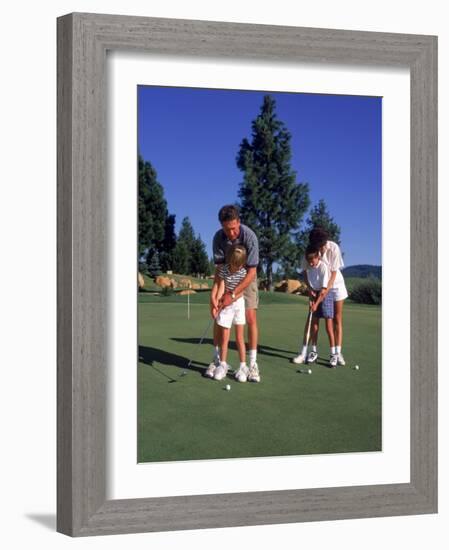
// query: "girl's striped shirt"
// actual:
[[231, 279]]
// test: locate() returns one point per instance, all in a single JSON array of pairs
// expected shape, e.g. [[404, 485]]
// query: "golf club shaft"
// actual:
[[308, 327], [204, 335]]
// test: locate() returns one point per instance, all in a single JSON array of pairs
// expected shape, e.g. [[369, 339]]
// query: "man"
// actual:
[[234, 232]]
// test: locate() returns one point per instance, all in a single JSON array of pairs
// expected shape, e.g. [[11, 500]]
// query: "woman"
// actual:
[[331, 255]]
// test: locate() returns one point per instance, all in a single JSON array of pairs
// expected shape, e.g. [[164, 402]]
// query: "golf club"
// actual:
[[309, 326], [184, 372]]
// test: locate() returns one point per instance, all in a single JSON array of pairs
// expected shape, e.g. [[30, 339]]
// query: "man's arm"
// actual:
[[238, 291]]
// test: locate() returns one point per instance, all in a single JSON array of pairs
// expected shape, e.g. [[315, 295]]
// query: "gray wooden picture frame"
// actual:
[[83, 40]]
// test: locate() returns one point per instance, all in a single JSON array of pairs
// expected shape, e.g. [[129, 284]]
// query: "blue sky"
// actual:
[[192, 136]]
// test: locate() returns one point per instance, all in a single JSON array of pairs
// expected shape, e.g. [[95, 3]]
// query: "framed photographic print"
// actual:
[[180, 145]]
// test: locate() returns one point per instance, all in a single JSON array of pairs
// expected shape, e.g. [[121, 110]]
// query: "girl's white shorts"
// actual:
[[232, 314]]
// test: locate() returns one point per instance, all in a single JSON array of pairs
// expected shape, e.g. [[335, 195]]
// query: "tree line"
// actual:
[[271, 201], [160, 249]]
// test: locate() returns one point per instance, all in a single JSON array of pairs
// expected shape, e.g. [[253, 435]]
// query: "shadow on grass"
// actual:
[[262, 350], [149, 356], [206, 342], [267, 350], [322, 363]]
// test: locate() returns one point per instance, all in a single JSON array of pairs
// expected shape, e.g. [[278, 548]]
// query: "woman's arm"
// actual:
[[331, 281]]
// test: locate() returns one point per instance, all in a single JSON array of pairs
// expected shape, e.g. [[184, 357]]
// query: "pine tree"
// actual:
[[152, 209], [168, 244], [272, 202], [186, 233], [184, 248], [319, 216], [154, 268], [181, 258], [199, 260]]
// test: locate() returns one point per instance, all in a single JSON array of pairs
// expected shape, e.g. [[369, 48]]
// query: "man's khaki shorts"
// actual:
[[251, 296]]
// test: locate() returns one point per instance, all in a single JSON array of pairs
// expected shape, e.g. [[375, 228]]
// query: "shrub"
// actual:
[[367, 292], [167, 291]]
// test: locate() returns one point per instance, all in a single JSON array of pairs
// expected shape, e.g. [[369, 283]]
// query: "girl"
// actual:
[[230, 274]]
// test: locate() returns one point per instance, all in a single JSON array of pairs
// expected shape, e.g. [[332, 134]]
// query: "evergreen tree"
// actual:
[[211, 266], [184, 247], [290, 265], [154, 268], [168, 244], [199, 260], [181, 258], [152, 209], [189, 256], [272, 203], [319, 216], [186, 233]]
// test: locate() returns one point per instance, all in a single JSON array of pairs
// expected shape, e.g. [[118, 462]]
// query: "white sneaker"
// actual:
[[242, 374], [210, 370], [221, 371], [333, 361], [299, 359], [341, 360], [253, 375], [312, 357]]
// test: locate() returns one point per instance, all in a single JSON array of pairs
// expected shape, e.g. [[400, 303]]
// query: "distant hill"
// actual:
[[363, 271]]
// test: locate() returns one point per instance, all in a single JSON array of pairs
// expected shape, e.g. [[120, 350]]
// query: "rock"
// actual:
[[186, 292], [290, 286], [163, 282], [140, 280], [205, 286], [185, 283], [196, 286], [302, 290]]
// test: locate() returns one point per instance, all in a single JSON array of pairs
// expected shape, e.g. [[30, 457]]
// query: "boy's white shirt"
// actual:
[[318, 276]]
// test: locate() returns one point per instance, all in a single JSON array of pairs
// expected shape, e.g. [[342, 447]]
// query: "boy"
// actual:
[[321, 305], [230, 276]]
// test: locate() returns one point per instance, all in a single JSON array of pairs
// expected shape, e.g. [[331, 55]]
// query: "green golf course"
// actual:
[[288, 413]]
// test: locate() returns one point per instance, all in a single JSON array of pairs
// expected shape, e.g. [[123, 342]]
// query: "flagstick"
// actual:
[[188, 306]]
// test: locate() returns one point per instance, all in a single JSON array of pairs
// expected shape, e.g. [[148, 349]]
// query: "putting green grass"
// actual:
[[287, 413]]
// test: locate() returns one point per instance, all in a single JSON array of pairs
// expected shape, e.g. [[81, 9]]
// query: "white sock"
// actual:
[[242, 365], [314, 348], [252, 356], [304, 351], [333, 352], [217, 353], [338, 349]]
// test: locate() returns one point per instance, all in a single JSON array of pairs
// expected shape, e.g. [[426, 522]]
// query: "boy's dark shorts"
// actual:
[[326, 308]]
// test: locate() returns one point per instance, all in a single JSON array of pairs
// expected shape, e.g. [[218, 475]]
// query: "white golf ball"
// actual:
[[309, 371], [356, 367], [228, 387]]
